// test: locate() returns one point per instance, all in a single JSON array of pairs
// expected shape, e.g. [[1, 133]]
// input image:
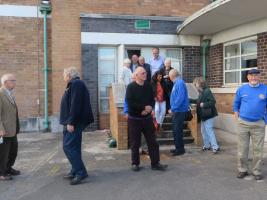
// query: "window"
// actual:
[[106, 75], [239, 57], [176, 57]]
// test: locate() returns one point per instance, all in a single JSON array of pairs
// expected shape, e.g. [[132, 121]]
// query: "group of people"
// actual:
[[76, 113]]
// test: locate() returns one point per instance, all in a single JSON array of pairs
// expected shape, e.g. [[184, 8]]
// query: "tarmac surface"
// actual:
[[196, 175]]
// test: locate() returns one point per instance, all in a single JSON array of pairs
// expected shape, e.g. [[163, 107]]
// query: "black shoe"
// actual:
[[178, 153], [68, 176], [258, 177], [159, 167], [172, 150], [13, 172], [135, 168], [242, 174], [77, 180], [205, 149]]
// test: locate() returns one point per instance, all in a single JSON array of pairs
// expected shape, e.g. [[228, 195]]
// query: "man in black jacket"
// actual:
[[146, 66], [139, 96], [75, 115]]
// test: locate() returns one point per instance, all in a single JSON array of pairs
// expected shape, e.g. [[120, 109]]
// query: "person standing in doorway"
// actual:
[[75, 115], [156, 62], [134, 63], [9, 128], [140, 100], [146, 66], [250, 110], [126, 75], [179, 107]]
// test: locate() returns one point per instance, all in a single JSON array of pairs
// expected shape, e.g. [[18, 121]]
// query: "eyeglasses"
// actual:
[[12, 80], [143, 73]]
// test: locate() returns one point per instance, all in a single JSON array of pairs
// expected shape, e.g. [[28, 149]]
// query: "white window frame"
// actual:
[[240, 60], [99, 74]]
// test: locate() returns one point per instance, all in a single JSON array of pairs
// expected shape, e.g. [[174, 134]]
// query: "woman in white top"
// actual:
[[126, 75]]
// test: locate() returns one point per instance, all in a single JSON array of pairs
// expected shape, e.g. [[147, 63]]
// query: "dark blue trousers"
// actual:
[[177, 129], [72, 143]]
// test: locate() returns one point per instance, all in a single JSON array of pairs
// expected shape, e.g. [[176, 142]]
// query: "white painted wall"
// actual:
[[19, 11]]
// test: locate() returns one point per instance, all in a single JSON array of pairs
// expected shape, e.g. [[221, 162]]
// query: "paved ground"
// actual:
[[194, 176]]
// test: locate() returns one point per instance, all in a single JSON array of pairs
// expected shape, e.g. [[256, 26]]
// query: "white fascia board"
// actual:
[[19, 11], [138, 39], [239, 32], [226, 90]]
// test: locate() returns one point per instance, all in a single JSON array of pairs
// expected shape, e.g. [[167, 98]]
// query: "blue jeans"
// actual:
[[72, 143], [208, 134], [177, 130]]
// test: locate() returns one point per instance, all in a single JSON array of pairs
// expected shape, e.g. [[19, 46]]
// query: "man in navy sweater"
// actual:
[[75, 115], [250, 109], [179, 106]]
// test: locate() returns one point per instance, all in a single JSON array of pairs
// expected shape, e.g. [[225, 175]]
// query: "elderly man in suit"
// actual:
[[9, 127]]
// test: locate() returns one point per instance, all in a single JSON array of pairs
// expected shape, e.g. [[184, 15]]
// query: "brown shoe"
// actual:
[[242, 174]]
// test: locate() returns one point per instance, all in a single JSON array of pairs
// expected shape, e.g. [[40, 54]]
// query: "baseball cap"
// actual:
[[254, 71]]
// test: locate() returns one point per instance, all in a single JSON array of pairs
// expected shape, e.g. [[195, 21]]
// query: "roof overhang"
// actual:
[[222, 15]]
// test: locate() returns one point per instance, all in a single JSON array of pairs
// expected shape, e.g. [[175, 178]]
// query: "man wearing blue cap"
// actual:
[[250, 109]]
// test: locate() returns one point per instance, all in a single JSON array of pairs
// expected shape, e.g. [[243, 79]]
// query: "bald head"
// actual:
[[173, 74], [140, 74]]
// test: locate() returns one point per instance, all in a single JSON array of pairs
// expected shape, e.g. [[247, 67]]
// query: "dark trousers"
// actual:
[[8, 153], [72, 143], [177, 129], [145, 126]]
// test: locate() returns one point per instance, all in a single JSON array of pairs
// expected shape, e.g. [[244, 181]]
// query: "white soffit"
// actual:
[[20, 11], [222, 15]]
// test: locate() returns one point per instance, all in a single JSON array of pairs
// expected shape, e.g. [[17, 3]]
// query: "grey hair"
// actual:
[[167, 60], [141, 57], [5, 77], [126, 61], [72, 72], [174, 73]]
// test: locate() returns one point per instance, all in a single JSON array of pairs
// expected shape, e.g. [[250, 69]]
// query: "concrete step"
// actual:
[[168, 133], [169, 141], [168, 126]]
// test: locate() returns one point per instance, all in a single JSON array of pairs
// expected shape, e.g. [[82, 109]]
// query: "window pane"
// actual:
[[106, 80], [106, 53], [103, 91], [106, 66], [249, 61], [244, 76], [104, 106], [249, 47], [232, 63], [174, 54], [232, 77], [232, 50]]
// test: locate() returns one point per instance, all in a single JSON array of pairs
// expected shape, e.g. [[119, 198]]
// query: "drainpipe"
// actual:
[[204, 48], [45, 9]]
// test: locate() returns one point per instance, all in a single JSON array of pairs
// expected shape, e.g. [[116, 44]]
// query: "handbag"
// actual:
[[206, 112], [188, 115]]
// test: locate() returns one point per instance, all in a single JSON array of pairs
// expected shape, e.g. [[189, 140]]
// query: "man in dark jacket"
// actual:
[[146, 66], [75, 115]]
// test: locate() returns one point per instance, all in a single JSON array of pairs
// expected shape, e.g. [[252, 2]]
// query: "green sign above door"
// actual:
[[142, 24]]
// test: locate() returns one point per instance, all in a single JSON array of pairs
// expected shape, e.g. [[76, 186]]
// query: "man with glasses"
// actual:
[[140, 100], [250, 110], [9, 128]]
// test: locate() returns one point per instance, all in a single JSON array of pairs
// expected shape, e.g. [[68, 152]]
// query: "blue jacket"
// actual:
[[179, 97], [251, 102], [75, 108]]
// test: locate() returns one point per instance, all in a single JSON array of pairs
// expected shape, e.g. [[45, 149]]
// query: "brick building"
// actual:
[[94, 36], [234, 38]]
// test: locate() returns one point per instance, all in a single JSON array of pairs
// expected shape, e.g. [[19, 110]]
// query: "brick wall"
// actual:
[[66, 30], [191, 63], [262, 56], [214, 72], [21, 53]]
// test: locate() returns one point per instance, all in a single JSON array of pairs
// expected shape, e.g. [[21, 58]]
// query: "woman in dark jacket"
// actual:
[[206, 113], [160, 95]]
